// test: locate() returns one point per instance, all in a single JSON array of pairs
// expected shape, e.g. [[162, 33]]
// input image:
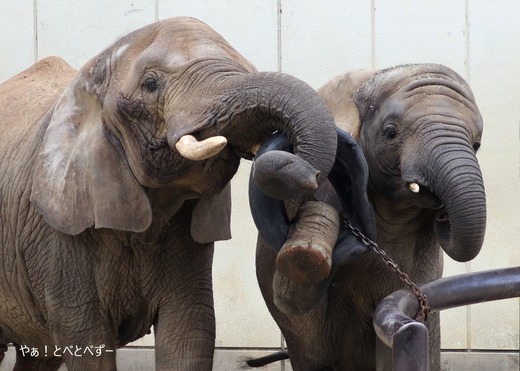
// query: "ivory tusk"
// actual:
[[414, 187], [255, 148], [190, 148]]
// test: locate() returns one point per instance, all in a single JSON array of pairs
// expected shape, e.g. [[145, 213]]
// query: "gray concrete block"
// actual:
[[480, 361]]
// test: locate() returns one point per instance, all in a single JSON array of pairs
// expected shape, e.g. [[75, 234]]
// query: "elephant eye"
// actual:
[[476, 146], [151, 85], [390, 131]]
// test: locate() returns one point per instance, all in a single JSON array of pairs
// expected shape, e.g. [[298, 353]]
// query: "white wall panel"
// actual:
[[494, 57], [242, 316], [420, 31], [249, 26], [16, 37], [454, 331], [322, 39], [78, 30]]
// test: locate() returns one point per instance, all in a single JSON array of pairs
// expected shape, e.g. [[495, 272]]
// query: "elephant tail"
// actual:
[[270, 358]]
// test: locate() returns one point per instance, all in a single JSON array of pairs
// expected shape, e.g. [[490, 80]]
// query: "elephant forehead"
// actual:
[[186, 49], [446, 107], [395, 104], [172, 44], [181, 40], [177, 52]]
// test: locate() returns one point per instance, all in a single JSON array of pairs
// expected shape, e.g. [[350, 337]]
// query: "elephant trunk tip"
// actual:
[[461, 241], [283, 175]]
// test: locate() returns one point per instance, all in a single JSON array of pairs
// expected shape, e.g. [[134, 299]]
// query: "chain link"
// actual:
[[423, 300]]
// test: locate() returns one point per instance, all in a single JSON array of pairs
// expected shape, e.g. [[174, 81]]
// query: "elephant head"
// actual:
[[420, 129], [162, 116]]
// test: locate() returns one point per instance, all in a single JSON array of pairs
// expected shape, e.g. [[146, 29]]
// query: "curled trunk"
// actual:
[[460, 225], [254, 106]]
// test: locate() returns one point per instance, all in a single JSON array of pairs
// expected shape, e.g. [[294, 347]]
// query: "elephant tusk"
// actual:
[[190, 148], [255, 148], [414, 187]]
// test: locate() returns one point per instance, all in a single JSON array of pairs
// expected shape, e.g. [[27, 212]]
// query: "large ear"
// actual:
[[211, 217], [338, 95], [349, 177], [80, 180]]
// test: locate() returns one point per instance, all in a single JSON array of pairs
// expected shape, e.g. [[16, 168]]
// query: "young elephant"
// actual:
[[419, 129], [115, 184]]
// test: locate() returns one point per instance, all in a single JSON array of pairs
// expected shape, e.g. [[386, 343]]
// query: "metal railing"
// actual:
[[408, 338]]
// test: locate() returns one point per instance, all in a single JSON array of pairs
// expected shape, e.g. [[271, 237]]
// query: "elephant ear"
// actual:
[[80, 180], [211, 217], [338, 95]]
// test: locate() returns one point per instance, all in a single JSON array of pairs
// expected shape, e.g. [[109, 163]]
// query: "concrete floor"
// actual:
[[141, 359]]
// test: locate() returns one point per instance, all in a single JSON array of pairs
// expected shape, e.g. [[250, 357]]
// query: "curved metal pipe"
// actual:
[[394, 315]]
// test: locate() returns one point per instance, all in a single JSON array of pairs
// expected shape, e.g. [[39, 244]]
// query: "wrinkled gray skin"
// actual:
[[106, 230], [415, 124]]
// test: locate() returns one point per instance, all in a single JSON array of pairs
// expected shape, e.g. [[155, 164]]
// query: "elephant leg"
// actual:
[[83, 333], [95, 349], [383, 356], [25, 362], [185, 325], [434, 335], [304, 262]]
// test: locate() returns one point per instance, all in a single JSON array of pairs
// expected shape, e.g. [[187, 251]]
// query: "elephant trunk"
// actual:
[[460, 225], [313, 244], [250, 107]]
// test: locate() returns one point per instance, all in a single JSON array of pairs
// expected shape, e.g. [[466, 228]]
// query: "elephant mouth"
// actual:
[[422, 195], [426, 198]]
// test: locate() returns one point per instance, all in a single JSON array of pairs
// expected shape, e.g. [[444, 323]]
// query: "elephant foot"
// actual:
[[305, 260]]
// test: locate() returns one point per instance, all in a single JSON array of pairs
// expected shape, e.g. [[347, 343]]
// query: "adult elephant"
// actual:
[[115, 184], [419, 129]]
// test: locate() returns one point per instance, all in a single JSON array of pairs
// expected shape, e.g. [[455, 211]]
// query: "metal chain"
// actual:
[[423, 300]]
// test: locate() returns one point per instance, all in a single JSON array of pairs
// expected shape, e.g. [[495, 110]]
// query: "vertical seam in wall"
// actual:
[[35, 30], [467, 73], [468, 328], [279, 61], [282, 365], [466, 40], [156, 15], [279, 33], [373, 34]]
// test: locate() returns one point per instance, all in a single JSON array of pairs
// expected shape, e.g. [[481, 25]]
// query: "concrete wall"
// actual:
[[315, 40]]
